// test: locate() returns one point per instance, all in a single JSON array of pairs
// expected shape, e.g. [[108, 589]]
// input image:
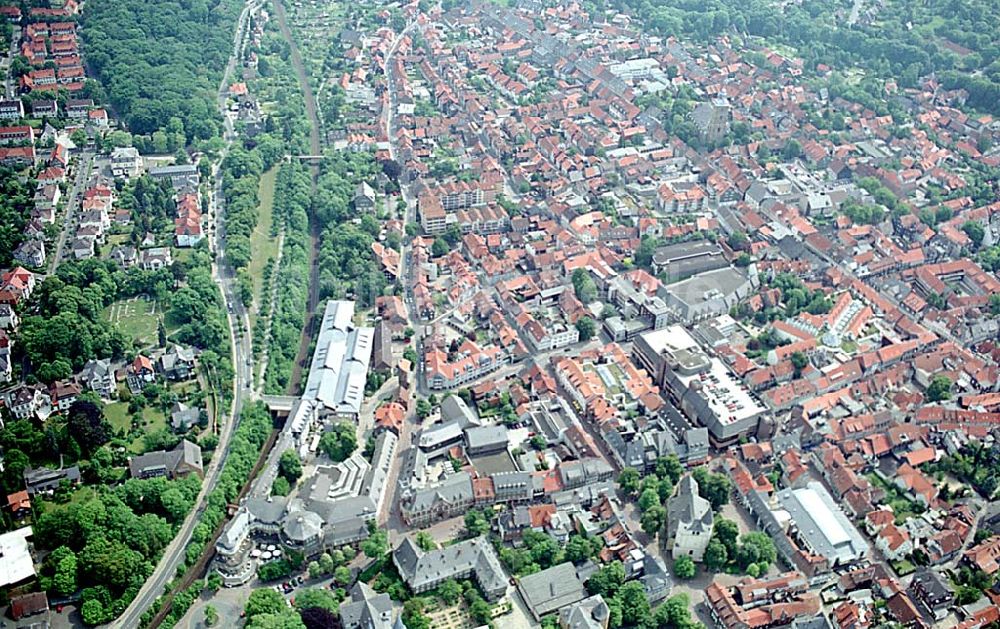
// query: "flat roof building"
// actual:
[[16, 563], [686, 259], [335, 387], [702, 386], [819, 523]]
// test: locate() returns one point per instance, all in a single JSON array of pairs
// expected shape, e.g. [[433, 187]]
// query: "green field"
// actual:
[[117, 414], [263, 246], [136, 318], [153, 419]]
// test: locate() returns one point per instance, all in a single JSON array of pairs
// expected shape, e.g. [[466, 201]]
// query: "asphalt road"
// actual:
[[83, 165], [239, 335]]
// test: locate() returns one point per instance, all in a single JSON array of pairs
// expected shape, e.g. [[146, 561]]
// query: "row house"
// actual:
[[22, 134], [11, 109], [470, 363], [487, 220]]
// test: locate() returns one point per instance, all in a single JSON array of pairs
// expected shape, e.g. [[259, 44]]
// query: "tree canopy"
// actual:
[[160, 63]]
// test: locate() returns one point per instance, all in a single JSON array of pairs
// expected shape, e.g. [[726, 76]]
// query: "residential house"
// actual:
[[364, 198], [183, 417], [31, 253], [182, 460], [19, 505], [126, 162], [155, 259], [62, 395], [139, 373], [44, 480], [177, 363], [99, 377], [11, 109]]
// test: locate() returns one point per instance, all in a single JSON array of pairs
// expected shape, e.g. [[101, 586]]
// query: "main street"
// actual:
[[239, 328]]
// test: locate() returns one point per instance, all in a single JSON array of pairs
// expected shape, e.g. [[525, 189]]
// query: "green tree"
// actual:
[[634, 604], [738, 241], [939, 389], [584, 286], [607, 580], [440, 247], [290, 465], [649, 498], [755, 548], [211, 616], [653, 519], [675, 613], [64, 580], [586, 327], [799, 362], [578, 549], [727, 532], [92, 612], [715, 488], [975, 232], [684, 568], [450, 591], [263, 601], [87, 425], [316, 597], [628, 480], [716, 556], [284, 619], [476, 523], [413, 614], [314, 569], [280, 486], [339, 442], [342, 575], [424, 541], [377, 544], [792, 150]]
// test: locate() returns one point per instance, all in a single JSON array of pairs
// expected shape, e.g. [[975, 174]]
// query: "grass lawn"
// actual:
[[903, 567], [153, 419], [183, 254], [117, 414], [81, 494], [136, 318], [262, 244]]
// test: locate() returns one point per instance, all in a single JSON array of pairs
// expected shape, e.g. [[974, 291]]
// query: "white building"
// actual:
[[126, 162], [16, 564], [689, 521]]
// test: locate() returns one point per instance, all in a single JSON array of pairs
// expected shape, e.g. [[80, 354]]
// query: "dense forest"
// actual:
[[161, 62], [902, 40]]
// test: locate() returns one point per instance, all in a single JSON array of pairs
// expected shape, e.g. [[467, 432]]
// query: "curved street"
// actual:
[[239, 328]]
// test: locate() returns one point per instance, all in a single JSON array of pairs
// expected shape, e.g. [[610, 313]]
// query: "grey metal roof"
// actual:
[[552, 589], [822, 525], [340, 362], [475, 555], [478, 437]]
